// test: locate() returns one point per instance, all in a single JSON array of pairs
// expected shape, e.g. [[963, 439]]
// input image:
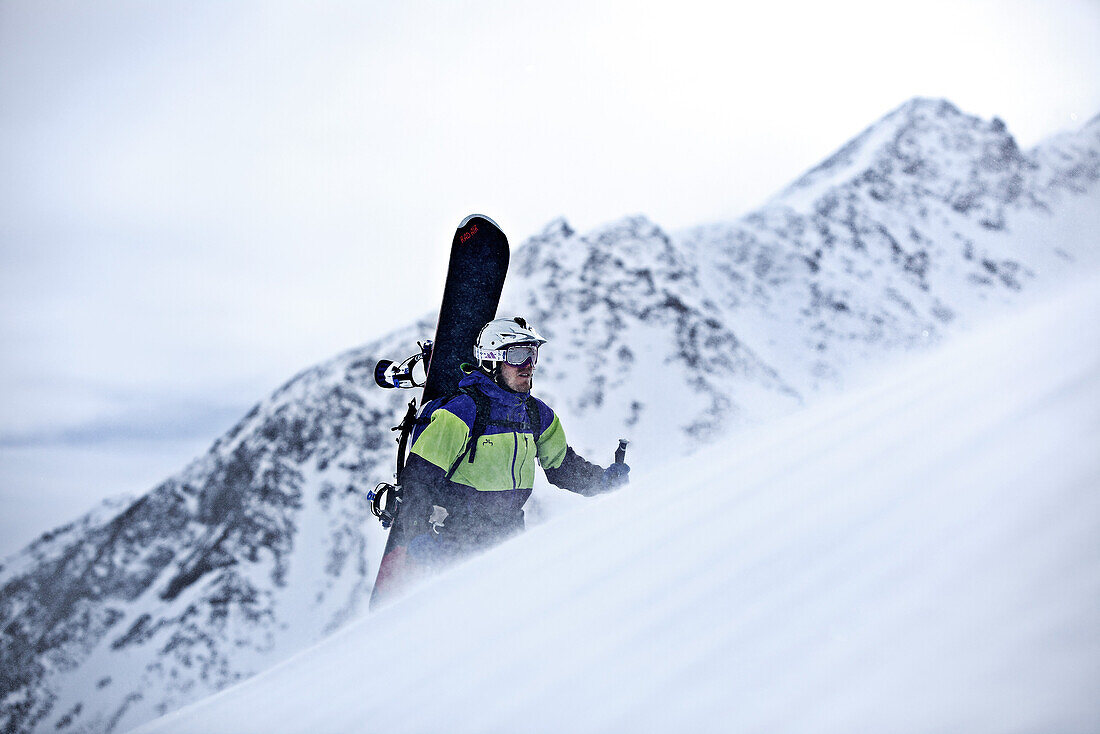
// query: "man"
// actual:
[[468, 495]]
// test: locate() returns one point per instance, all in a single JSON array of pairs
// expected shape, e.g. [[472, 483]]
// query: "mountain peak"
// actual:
[[924, 140], [936, 107], [557, 229]]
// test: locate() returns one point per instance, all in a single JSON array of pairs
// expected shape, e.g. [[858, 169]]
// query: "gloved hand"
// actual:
[[437, 518], [615, 476]]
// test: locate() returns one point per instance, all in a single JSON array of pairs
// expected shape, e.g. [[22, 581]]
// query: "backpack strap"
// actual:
[[481, 422], [481, 419], [534, 420]]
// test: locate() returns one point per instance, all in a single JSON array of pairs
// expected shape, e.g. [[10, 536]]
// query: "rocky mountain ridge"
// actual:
[[924, 224]]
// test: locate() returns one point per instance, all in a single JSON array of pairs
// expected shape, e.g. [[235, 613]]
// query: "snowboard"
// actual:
[[475, 277]]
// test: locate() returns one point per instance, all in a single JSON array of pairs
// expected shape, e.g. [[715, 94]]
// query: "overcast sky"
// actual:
[[199, 199]]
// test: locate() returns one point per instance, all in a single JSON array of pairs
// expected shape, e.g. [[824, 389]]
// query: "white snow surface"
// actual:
[[922, 556]]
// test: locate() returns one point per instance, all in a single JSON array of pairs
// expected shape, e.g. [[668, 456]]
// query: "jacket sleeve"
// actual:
[[563, 466], [443, 440], [576, 474], [424, 476], [422, 485], [424, 481]]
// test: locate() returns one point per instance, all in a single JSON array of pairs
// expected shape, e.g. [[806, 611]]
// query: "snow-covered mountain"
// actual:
[[925, 224], [919, 556]]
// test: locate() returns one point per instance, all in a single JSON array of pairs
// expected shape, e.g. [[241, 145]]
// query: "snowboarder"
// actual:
[[472, 463]]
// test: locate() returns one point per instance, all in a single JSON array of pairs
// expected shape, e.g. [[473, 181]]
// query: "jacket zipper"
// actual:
[[515, 453]]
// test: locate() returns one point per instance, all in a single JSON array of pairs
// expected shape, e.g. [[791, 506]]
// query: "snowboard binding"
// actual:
[[385, 499], [409, 373], [384, 502]]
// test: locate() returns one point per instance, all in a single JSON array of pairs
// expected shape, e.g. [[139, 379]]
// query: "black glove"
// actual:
[[615, 476]]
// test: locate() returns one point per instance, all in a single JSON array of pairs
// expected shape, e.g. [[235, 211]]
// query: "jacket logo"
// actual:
[[467, 235], [486, 442]]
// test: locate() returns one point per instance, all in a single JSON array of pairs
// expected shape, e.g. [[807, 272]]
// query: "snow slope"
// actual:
[[921, 556], [917, 231]]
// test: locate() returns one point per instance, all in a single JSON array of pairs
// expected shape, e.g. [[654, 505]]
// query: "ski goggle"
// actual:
[[516, 355], [520, 355]]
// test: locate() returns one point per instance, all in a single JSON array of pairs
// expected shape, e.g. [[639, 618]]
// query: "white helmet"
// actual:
[[498, 335]]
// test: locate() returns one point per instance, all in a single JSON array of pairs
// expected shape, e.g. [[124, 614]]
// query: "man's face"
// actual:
[[517, 379]]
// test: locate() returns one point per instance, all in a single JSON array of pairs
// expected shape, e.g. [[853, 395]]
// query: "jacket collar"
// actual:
[[496, 393]]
